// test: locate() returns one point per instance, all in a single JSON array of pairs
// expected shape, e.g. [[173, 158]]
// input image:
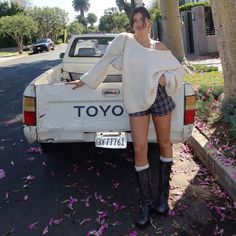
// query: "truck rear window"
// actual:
[[90, 47]]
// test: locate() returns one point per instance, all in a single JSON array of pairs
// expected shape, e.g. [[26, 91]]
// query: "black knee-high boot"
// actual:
[[146, 204], [165, 169]]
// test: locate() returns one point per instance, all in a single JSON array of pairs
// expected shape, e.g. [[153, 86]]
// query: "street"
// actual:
[[78, 189]]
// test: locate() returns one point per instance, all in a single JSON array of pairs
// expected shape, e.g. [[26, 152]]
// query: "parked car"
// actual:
[[43, 45]]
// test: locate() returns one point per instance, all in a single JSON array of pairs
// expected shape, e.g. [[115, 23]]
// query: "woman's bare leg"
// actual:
[[162, 126], [139, 131]]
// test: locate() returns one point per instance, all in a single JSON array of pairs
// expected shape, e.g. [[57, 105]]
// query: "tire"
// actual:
[[47, 147]]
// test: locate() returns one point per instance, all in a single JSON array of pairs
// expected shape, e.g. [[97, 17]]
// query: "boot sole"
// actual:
[[142, 226]]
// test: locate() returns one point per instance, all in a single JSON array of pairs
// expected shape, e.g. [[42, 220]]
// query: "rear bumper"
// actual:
[[75, 136]]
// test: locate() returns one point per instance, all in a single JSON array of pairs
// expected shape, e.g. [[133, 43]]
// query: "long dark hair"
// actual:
[[139, 9]]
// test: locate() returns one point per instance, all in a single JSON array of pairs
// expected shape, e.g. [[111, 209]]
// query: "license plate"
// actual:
[[111, 140]]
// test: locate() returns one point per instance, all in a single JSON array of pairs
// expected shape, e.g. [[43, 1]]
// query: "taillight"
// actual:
[[29, 110], [189, 114]]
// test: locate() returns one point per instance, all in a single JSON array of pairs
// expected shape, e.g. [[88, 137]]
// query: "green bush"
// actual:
[[203, 68], [188, 6], [228, 111], [208, 87]]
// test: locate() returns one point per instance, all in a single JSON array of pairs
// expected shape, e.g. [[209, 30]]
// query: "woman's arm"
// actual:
[[77, 84]]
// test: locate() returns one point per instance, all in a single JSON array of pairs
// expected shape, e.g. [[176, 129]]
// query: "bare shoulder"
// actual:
[[160, 46]]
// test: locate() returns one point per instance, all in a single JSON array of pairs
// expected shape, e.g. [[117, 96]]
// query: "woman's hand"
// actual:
[[162, 81], [77, 84]]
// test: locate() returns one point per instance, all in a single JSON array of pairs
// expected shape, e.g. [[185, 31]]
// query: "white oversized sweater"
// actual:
[[141, 69]]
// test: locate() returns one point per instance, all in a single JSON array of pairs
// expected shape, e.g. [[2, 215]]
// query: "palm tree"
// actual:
[[82, 6]]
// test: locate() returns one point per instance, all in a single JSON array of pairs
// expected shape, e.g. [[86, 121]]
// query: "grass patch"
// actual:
[[203, 68], [202, 82]]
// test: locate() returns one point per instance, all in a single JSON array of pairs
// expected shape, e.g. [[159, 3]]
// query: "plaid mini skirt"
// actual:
[[162, 105]]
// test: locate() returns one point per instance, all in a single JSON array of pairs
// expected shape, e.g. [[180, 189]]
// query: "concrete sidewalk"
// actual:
[[205, 60], [213, 159]]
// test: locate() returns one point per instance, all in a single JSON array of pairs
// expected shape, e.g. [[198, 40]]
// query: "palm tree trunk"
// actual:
[[171, 24], [224, 13]]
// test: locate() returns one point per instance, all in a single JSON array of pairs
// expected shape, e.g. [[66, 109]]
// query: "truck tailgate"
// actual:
[[66, 115], [59, 108]]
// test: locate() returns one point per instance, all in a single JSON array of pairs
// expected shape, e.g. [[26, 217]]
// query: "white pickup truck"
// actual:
[[54, 113]]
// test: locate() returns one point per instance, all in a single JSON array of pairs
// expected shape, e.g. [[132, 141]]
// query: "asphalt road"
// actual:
[[77, 189]]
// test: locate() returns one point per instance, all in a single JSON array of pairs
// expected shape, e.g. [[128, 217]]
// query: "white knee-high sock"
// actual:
[[139, 168], [166, 159]]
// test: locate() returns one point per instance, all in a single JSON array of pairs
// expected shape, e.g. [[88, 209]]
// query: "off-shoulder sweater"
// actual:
[[141, 69]]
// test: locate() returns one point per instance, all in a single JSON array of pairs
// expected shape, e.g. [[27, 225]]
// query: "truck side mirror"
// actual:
[[61, 55]]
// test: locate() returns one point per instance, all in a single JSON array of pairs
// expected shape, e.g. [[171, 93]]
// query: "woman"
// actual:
[[150, 75]]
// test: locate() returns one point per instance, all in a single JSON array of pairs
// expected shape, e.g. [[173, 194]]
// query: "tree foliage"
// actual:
[[155, 11], [187, 6], [23, 3], [10, 8], [75, 28], [113, 21], [91, 18], [18, 27], [50, 21], [82, 6]]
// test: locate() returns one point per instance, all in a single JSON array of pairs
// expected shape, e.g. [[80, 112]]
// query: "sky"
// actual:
[[96, 6]]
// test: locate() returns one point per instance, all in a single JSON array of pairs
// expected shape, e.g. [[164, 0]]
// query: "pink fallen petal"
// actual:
[[116, 223], [118, 207], [110, 164], [57, 221], [133, 233], [218, 231], [2, 174], [84, 221], [51, 221], [171, 212], [33, 225], [86, 201], [102, 217], [90, 168], [6, 195], [116, 185], [12, 163], [71, 202], [234, 205], [35, 150], [234, 175], [30, 177], [26, 197], [45, 231], [102, 229], [44, 163]]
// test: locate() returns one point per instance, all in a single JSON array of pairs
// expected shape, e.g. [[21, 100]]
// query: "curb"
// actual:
[[210, 156], [7, 58]]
